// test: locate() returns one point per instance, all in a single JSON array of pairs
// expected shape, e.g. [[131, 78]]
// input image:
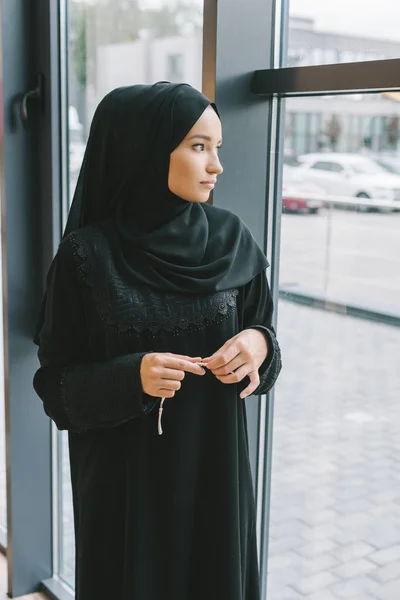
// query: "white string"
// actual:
[[160, 412], [161, 407]]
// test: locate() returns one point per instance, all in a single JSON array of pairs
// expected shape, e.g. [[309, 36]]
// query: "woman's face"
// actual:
[[194, 164]]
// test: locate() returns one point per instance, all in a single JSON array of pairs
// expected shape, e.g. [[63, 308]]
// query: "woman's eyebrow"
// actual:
[[203, 137]]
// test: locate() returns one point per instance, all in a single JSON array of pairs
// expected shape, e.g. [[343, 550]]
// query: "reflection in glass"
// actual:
[[3, 472], [341, 31], [114, 43], [340, 163], [335, 503]]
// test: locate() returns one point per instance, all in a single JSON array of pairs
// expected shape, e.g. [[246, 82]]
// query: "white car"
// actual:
[[389, 163], [350, 175], [298, 195]]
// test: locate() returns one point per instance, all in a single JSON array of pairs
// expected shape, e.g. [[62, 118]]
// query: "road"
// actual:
[[347, 257], [335, 501]]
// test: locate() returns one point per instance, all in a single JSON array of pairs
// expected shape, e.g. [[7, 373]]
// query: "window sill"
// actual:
[[56, 589]]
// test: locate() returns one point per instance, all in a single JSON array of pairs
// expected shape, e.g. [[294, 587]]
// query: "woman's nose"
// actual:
[[215, 167]]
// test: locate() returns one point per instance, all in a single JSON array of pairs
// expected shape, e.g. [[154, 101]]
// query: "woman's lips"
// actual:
[[209, 184]]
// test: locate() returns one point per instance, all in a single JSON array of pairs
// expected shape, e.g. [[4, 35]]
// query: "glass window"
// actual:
[[342, 31], [335, 481], [367, 167], [336, 168], [114, 43], [389, 163], [292, 161], [3, 462], [3, 471], [175, 67], [326, 166]]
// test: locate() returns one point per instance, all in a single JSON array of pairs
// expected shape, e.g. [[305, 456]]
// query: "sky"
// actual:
[[377, 19]]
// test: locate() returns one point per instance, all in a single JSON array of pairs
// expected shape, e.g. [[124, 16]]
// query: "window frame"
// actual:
[[250, 89]]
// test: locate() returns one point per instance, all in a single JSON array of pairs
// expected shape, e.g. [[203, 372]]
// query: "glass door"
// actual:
[[3, 481], [335, 499], [108, 44]]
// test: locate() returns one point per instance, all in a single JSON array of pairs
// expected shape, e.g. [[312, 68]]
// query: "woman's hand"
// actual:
[[240, 356], [162, 372]]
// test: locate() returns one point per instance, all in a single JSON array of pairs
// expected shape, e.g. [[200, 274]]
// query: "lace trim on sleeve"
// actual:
[[270, 369], [271, 373], [98, 395]]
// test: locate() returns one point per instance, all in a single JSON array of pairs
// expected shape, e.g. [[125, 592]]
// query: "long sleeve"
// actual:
[[257, 314], [77, 393]]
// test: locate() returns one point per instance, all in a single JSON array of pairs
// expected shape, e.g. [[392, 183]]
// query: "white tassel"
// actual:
[[160, 412]]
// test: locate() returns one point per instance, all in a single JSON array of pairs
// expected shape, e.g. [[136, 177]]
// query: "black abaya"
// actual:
[[166, 517]]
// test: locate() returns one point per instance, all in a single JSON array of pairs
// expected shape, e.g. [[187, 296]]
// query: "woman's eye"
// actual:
[[201, 147]]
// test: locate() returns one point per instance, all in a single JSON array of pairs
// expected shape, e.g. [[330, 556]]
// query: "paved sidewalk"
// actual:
[[335, 509]]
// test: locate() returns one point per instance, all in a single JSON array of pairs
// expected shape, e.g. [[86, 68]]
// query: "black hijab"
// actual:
[[164, 241]]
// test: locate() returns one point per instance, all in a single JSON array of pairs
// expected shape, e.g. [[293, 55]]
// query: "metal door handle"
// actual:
[[37, 94]]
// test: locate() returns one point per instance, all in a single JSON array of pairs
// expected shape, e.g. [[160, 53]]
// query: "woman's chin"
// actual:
[[198, 200]]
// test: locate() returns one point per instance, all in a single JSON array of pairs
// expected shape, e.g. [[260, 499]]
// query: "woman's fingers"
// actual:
[[237, 376], [223, 356], [164, 393], [189, 358], [253, 385], [227, 369], [171, 374], [161, 373], [170, 384], [179, 363], [218, 352]]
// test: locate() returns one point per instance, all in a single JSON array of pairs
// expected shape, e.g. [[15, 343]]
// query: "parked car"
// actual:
[[299, 196], [291, 161], [350, 175], [389, 163]]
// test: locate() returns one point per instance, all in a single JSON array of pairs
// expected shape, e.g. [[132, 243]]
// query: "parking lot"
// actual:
[[344, 256], [335, 505]]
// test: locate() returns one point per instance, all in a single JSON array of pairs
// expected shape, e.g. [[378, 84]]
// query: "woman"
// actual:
[[148, 282]]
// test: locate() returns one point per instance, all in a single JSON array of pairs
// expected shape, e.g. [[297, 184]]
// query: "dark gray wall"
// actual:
[[236, 43], [29, 433]]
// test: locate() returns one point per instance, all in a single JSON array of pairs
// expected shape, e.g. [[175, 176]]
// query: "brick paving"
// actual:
[[344, 256], [335, 500]]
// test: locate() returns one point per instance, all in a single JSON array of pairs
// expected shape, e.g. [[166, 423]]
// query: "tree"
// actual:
[[182, 17], [78, 46], [108, 21], [118, 21], [392, 131], [333, 129]]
